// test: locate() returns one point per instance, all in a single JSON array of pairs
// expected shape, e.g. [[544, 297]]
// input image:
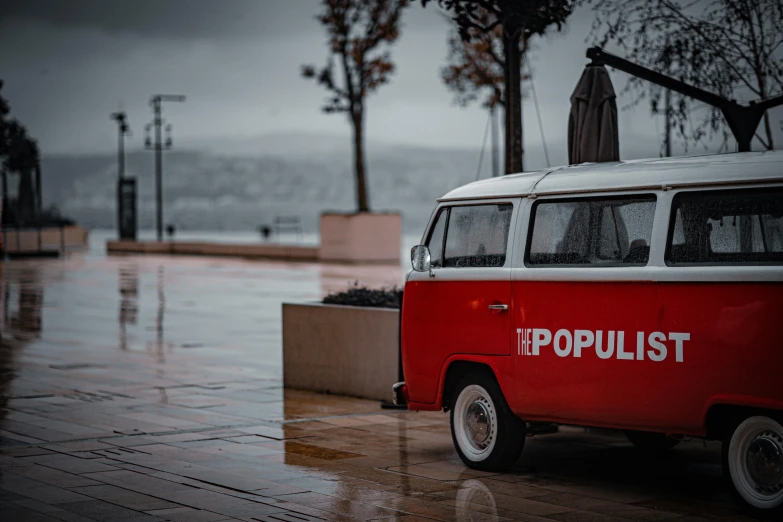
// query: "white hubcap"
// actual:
[[756, 462], [475, 423]]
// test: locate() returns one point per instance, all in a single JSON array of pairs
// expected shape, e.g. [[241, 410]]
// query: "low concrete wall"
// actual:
[[363, 237], [263, 251], [345, 350], [51, 239]]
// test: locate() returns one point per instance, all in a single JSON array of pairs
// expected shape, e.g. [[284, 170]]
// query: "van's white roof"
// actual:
[[649, 174]]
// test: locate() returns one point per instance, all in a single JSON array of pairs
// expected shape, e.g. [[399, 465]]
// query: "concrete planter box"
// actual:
[[54, 239], [345, 350], [363, 237]]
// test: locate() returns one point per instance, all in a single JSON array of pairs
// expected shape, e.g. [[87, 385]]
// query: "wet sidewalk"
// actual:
[[149, 388]]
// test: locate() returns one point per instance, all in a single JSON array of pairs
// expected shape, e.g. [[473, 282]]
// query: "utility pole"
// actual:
[[158, 146]]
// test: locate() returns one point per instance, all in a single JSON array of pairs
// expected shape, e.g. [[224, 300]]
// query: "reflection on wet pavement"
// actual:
[[149, 388]]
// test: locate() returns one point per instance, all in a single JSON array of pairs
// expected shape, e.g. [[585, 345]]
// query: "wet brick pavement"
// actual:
[[149, 388]]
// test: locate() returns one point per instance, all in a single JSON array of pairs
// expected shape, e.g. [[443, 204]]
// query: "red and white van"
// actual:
[[645, 296]]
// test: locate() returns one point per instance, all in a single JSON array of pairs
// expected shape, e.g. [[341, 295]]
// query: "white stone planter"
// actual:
[[344, 350], [363, 237]]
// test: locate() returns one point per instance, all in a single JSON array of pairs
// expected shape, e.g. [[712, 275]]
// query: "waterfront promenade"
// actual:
[[138, 388]]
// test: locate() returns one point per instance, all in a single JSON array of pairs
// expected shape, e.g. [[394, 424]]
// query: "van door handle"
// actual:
[[499, 307]]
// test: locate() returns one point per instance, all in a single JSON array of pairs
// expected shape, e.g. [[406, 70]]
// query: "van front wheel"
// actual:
[[487, 434], [753, 463]]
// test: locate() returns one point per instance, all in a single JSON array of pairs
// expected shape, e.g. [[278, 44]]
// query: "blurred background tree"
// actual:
[[733, 48], [519, 20], [19, 154], [360, 32], [475, 68]]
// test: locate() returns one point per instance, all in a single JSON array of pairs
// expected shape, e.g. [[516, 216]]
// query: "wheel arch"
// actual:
[[456, 369], [722, 418]]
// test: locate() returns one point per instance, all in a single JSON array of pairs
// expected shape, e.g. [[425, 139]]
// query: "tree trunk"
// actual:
[[25, 200], [362, 202], [513, 92], [4, 214], [38, 196]]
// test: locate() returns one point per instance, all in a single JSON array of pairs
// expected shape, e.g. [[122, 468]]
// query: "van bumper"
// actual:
[[400, 394]]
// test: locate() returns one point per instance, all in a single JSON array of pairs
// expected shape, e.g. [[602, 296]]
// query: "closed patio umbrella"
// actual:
[[592, 124]]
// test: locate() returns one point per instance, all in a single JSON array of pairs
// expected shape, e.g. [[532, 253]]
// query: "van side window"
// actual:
[[591, 232], [731, 227], [477, 235], [435, 242]]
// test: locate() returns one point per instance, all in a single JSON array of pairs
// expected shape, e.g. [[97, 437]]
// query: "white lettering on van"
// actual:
[[622, 354], [678, 340], [565, 343], [563, 351], [654, 340], [541, 337], [582, 339], [599, 351]]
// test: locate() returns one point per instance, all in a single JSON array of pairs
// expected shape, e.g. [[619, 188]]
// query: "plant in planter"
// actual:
[[362, 296], [348, 344], [359, 35]]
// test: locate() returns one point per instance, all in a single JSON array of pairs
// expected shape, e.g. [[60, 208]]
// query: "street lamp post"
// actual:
[[123, 129], [156, 102]]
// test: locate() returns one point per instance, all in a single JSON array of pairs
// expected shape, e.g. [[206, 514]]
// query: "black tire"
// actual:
[[763, 501], [481, 412], [652, 442]]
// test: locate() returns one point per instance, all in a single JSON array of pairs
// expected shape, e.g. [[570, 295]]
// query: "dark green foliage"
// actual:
[[362, 296], [19, 153]]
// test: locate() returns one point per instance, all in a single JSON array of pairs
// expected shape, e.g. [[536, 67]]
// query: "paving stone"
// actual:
[[13, 513], [100, 510], [55, 477], [51, 510], [125, 498], [70, 464], [188, 515]]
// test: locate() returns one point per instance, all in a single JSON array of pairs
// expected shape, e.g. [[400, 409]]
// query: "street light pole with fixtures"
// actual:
[[123, 129], [156, 102]]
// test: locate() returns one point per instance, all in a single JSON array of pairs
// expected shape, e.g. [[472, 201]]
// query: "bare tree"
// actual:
[[18, 153], [520, 20], [360, 32], [475, 67], [729, 47], [22, 157]]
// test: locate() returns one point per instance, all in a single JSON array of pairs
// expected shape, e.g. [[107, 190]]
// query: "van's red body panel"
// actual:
[[444, 318], [723, 345]]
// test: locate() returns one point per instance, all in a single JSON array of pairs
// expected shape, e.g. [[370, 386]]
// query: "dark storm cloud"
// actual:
[[197, 19]]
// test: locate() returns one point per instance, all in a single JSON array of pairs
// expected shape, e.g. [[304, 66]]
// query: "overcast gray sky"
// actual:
[[68, 64]]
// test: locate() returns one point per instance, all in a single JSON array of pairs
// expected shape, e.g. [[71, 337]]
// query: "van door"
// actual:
[[581, 298], [462, 307]]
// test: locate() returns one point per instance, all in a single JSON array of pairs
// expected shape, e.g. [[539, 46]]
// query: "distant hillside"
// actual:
[[239, 184], [206, 190]]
